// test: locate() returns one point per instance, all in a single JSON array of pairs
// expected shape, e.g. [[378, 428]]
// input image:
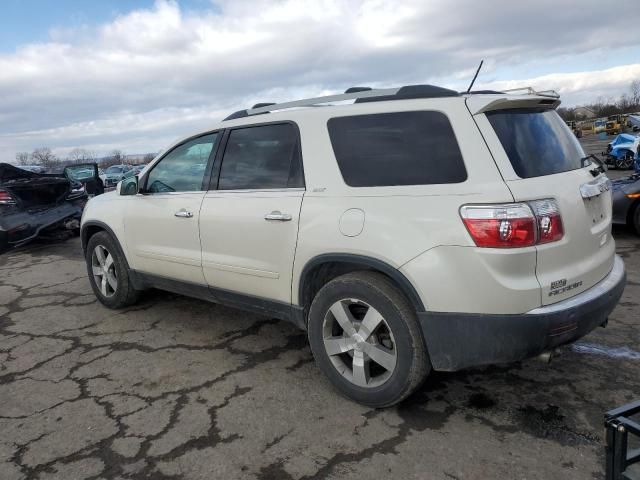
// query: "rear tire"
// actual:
[[372, 348], [109, 273]]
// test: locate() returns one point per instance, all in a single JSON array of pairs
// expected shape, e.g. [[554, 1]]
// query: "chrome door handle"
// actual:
[[278, 216], [183, 214]]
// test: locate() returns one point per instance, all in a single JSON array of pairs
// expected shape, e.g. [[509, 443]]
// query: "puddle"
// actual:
[[611, 352]]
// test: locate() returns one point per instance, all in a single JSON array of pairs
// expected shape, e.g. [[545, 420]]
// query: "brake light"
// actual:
[[513, 225], [550, 227], [6, 198], [500, 226]]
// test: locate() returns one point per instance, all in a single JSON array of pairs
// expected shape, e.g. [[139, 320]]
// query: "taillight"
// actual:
[[6, 198], [500, 226], [550, 227], [513, 225]]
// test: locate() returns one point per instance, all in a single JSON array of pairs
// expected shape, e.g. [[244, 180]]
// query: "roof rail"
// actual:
[[309, 102], [359, 94], [532, 91]]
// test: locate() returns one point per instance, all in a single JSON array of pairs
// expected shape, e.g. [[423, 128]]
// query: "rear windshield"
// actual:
[[400, 148], [537, 142]]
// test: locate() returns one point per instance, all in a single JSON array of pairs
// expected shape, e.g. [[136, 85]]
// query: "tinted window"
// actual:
[[403, 148], [537, 142], [182, 169], [261, 157]]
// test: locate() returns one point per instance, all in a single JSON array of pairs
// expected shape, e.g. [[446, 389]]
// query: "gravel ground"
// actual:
[[179, 388]]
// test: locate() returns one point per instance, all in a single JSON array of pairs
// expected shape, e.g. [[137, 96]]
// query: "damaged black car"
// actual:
[[33, 204]]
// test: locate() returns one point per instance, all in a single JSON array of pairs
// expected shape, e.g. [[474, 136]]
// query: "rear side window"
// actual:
[[537, 142], [400, 148], [261, 157]]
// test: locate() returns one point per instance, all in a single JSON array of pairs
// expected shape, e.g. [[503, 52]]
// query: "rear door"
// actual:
[[249, 218], [540, 158]]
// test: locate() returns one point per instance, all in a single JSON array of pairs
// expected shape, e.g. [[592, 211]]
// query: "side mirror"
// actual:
[[128, 186]]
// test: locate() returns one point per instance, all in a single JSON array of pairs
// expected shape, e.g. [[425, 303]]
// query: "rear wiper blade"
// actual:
[[601, 168]]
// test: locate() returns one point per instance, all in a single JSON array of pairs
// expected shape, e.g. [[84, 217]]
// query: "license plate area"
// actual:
[[595, 209]]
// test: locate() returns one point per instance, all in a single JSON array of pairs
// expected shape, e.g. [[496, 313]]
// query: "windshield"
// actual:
[[537, 142], [114, 169]]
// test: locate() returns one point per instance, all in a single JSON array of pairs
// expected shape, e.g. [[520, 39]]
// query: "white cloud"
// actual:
[[151, 75], [580, 87]]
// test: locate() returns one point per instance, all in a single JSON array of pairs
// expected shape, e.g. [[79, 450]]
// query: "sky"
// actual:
[[136, 75]]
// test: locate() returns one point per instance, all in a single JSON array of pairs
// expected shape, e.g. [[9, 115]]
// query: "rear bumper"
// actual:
[[460, 340]]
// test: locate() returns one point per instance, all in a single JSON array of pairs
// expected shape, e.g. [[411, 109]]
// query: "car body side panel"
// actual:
[[468, 279], [109, 209], [398, 224]]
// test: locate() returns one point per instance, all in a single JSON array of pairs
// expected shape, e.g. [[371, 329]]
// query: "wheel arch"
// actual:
[[90, 228], [324, 268]]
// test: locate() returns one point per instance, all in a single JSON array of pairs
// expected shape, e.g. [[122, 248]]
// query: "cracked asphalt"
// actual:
[[176, 388]]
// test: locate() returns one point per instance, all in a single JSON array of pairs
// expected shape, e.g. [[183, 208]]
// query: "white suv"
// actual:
[[414, 229]]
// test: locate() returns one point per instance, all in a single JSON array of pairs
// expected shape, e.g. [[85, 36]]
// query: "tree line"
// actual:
[[44, 157], [603, 107]]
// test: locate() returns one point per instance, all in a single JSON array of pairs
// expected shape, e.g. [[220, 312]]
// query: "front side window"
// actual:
[[182, 169], [261, 157], [400, 148]]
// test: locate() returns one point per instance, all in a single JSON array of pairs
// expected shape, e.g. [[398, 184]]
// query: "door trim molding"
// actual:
[[242, 270], [168, 258]]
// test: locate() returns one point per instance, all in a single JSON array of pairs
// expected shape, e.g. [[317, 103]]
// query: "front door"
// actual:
[[161, 222], [249, 224]]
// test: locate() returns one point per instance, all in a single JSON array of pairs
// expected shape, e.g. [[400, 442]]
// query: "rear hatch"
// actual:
[[540, 158], [33, 190]]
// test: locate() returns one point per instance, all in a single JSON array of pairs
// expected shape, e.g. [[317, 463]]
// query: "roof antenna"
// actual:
[[475, 76]]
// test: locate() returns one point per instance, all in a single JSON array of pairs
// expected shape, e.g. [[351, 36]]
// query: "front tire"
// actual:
[[109, 273], [365, 338]]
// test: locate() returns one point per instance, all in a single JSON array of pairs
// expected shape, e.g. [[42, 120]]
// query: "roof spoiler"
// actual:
[[525, 97]]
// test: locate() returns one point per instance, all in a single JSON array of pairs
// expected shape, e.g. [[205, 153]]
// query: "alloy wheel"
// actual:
[[628, 160], [104, 270], [359, 343]]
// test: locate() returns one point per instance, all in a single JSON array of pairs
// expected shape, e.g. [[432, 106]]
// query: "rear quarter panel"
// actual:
[[399, 223]]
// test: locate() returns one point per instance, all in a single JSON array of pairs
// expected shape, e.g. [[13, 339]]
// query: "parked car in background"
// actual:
[[626, 201], [32, 168], [88, 175], [135, 170], [417, 229], [31, 203], [114, 174], [623, 152]]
